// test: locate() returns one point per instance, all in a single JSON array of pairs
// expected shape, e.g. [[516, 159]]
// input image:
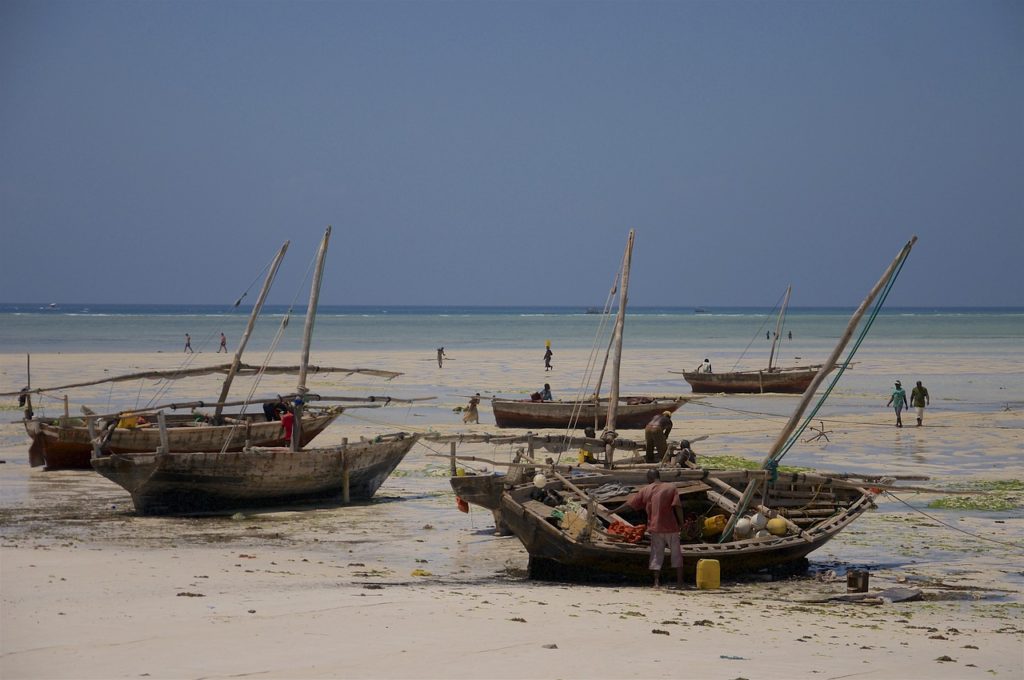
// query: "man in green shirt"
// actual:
[[898, 400], [919, 399]]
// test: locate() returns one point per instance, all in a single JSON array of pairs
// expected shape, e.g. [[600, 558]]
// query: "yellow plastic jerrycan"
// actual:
[[714, 525], [708, 574]]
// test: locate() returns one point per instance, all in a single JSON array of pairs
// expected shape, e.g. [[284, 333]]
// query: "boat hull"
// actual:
[[70, 447], [210, 482], [554, 554], [509, 413], [786, 381]]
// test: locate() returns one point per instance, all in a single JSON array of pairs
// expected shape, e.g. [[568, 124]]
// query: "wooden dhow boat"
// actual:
[[171, 482], [748, 520], [257, 477], [774, 379], [69, 443], [634, 412]]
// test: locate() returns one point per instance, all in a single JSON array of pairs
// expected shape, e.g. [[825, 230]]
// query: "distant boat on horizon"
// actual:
[[700, 310]]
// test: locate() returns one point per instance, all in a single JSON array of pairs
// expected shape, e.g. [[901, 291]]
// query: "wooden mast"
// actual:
[[819, 377], [307, 335], [620, 320], [256, 309], [778, 326]]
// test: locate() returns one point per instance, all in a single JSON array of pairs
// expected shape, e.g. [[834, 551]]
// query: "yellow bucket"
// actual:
[[708, 574]]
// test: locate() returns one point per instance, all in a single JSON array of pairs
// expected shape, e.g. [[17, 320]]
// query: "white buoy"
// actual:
[[539, 480], [758, 521]]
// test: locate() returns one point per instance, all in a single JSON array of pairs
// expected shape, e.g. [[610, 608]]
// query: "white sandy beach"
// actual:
[[407, 587]]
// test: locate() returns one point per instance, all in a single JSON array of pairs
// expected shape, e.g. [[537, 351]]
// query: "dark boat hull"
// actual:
[[555, 554], [564, 414], [786, 381], [196, 483]]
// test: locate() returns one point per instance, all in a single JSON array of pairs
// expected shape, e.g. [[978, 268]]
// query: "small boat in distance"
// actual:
[[700, 310], [633, 412], [789, 380]]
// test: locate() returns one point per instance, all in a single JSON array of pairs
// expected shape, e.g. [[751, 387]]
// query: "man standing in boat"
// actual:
[[656, 436], [660, 500]]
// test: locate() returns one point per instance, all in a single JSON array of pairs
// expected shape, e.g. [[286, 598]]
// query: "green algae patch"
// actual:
[[998, 495], [735, 462]]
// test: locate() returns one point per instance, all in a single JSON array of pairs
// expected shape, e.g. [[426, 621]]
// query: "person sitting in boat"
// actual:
[[545, 394], [705, 367], [272, 410], [684, 454]]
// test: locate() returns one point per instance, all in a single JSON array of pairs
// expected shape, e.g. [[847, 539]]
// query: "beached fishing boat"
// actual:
[[257, 477], [748, 520], [66, 444], [633, 412], [70, 443], [578, 542], [170, 482], [774, 379]]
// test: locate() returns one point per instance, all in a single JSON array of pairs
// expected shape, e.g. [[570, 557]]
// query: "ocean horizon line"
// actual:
[[133, 308]]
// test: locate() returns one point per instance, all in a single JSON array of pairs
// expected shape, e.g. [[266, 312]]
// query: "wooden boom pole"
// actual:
[[307, 336], [253, 315]]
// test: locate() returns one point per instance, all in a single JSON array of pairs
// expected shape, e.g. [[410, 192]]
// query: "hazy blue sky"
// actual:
[[498, 152]]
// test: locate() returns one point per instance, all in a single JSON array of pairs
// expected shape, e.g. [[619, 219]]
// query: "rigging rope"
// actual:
[[794, 437], [1018, 546]]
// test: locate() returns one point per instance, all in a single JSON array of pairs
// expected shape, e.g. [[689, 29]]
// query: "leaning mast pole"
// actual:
[[307, 335]]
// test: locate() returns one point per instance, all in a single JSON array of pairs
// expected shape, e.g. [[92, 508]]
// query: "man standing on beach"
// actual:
[[664, 511], [188, 343], [440, 356], [898, 400], [656, 436], [223, 344], [919, 399]]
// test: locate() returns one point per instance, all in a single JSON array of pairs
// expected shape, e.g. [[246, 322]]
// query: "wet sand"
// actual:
[[406, 586]]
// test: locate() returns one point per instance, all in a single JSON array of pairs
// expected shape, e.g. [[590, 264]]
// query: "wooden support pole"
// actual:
[[346, 496], [165, 446], [451, 458]]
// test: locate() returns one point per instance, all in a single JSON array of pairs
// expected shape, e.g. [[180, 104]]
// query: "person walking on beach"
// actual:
[[188, 343], [898, 401], [656, 436], [660, 500], [547, 358], [440, 356], [919, 399], [472, 414], [223, 344]]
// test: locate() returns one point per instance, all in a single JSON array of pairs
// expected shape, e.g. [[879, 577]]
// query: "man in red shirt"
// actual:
[[288, 423], [664, 520]]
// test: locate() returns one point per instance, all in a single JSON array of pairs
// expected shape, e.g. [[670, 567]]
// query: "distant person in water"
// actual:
[[223, 344], [547, 358], [791, 335], [919, 399], [767, 335], [188, 343], [440, 356], [898, 401]]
